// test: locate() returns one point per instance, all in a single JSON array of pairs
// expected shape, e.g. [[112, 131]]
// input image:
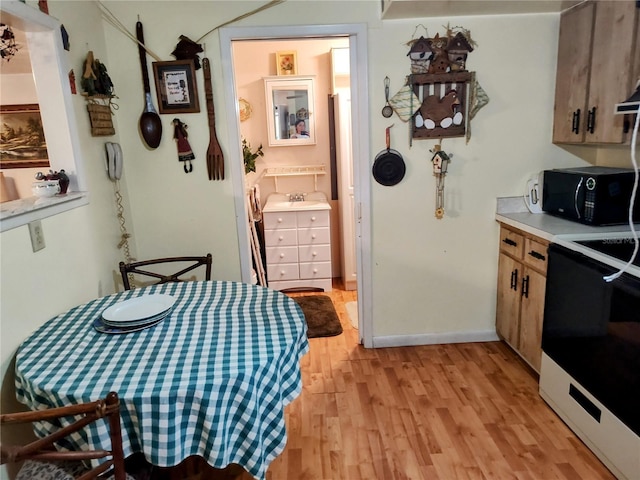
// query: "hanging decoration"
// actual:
[[98, 90], [8, 46], [441, 87], [440, 161], [185, 154]]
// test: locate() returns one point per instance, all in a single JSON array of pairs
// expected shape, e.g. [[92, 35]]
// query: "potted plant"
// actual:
[[249, 156]]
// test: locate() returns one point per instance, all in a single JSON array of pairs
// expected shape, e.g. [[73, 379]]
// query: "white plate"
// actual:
[[136, 323], [101, 327], [138, 308]]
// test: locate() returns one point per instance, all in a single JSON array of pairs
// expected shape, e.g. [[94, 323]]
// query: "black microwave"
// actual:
[[590, 195]]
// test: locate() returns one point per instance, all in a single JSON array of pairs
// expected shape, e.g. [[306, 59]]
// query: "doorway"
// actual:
[[357, 35]]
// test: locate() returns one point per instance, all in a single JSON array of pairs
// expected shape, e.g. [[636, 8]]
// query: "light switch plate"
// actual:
[[37, 235]]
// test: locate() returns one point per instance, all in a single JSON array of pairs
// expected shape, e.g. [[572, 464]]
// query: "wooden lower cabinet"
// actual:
[[522, 267]]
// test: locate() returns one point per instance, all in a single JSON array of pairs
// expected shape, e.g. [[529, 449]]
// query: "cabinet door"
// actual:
[[572, 74], [508, 303], [531, 316], [611, 66]]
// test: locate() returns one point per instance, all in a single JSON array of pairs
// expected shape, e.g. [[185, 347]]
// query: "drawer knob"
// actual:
[[279, 220], [313, 219], [282, 272], [313, 236], [282, 255], [315, 270], [314, 253], [280, 238]]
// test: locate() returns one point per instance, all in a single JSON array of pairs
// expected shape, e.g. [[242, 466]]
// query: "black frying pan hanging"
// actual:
[[388, 166]]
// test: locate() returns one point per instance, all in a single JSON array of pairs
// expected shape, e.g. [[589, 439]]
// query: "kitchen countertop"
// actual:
[[513, 211]]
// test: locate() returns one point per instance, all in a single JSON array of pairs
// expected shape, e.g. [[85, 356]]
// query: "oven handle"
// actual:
[[575, 197]]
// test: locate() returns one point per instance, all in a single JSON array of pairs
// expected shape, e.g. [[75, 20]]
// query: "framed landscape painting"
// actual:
[[22, 142]]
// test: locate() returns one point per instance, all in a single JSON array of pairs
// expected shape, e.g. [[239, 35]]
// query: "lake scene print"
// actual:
[[22, 140]]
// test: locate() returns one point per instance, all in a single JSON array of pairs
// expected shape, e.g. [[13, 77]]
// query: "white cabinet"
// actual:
[[298, 248]]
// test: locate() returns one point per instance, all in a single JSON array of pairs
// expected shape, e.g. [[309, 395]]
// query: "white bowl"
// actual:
[[45, 188]]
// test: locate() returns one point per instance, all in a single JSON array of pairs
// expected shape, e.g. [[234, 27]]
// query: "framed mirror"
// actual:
[[290, 107]]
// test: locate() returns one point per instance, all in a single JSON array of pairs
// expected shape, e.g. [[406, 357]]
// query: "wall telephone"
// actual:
[[114, 160]]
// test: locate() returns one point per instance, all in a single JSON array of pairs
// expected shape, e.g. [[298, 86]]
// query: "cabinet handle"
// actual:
[[575, 126], [525, 287], [537, 255], [591, 120], [508, 241], [514, 280]]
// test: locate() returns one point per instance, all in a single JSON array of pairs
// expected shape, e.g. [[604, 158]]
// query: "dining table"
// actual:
[[211, 379]]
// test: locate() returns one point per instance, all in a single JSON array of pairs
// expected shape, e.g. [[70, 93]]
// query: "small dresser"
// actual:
[[297, 241]]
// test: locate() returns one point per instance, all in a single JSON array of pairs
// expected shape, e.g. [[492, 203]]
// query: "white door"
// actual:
[[344, 161]]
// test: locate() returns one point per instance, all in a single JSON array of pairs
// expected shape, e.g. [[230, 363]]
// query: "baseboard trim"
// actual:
[[435, 338]]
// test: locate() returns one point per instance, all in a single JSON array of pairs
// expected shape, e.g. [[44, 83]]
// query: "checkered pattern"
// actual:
[[212, 379]]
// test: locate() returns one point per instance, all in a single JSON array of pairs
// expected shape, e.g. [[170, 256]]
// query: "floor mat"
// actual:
[[321, 316]]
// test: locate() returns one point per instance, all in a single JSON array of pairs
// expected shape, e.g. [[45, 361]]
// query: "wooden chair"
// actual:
[[44, 462], [134, 268]]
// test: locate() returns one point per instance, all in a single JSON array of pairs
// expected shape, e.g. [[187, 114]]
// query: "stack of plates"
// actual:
[[135, 314]]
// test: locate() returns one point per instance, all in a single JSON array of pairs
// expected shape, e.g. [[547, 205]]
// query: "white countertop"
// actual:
[[280, 202], [510, 212]]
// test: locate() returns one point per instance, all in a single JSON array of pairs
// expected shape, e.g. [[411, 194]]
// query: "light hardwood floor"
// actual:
[[443, 412]]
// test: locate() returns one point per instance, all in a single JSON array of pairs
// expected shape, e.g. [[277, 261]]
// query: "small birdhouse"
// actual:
[[440, 162], [420, 55], [458, 48]]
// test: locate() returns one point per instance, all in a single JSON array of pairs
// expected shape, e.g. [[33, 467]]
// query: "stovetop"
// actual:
[[614, 249], [620, 248]]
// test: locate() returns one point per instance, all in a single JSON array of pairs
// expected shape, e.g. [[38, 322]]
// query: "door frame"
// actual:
[[358, 60]]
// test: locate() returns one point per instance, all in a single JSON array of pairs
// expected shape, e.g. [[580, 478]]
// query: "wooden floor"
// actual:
[[442, 412]]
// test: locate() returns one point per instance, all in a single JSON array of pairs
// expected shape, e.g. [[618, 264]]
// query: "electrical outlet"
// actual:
[[37, 235]]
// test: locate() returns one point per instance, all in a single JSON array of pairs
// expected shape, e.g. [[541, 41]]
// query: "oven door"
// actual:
[[591, 330]]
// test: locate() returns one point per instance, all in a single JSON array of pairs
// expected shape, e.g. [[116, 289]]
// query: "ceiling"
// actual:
[[403, 9]]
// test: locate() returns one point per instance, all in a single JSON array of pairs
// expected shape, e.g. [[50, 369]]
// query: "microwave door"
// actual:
[[564, 195]]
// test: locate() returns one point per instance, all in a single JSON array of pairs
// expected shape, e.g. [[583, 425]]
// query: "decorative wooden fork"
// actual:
[[215, 158]]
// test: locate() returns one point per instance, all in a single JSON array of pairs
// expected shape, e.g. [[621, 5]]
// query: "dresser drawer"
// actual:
[[315, 270], [313, 219], [278, 220], [284, 271], [314, 253], [511, 242], [282, 254], [275, 238], [536, 254], [314, 236]]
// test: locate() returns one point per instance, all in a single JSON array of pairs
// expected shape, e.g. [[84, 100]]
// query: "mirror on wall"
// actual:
[[290, 109]]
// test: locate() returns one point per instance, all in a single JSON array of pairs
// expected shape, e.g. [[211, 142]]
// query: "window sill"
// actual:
[[20, 212]]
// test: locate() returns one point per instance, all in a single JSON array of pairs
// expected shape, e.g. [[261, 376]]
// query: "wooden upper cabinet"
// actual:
[[597, 58]]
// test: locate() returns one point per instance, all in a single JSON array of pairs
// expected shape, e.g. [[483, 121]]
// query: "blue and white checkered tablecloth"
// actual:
[[212, 379]]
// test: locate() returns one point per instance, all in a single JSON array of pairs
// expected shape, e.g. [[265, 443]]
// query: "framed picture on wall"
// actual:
[[22, 143], [287, 63], [176, 86]]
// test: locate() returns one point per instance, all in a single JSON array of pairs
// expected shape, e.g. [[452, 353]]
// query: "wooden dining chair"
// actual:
[[127, 270], [44, 462]]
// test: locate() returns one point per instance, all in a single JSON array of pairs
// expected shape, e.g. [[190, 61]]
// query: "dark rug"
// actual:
[[321, 316]]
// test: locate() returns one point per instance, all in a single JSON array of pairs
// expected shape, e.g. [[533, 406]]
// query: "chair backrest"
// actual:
[[43, 449], [135, 268]]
